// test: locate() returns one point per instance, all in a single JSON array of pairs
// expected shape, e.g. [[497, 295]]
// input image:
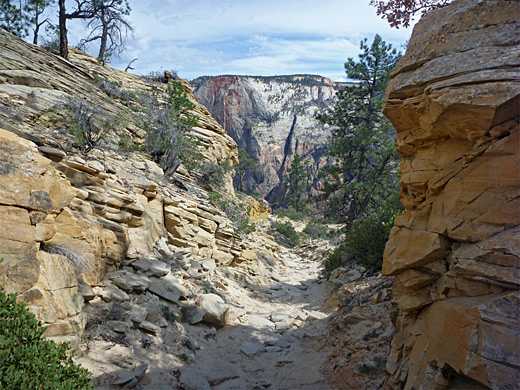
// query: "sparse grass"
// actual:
[[167, 314], [76, 259], [374, 368], [88, 122], [370, 335], [145, 343], [116, 312]]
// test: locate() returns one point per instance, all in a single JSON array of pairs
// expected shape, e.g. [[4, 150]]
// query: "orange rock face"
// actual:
[[455, 252]]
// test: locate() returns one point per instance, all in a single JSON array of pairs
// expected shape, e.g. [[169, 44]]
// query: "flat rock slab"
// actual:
[[118, 326], [249, 348], [149, 327], [168, 288], [234, 384], [220, 371], [123, 377], [142, 265], [171, 283], [159, 268], [209, 265], [131, 282], [192, 314], [259, 322], [113, 293], [192, 379]]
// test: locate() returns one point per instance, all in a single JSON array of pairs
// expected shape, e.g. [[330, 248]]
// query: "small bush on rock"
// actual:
[[237, 212], [290, 235], [365, 243], [88, 122], [168, 125], [27, 359], [335, 259], [316, 230]]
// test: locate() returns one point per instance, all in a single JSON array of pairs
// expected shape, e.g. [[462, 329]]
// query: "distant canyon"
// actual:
[[272, 118]]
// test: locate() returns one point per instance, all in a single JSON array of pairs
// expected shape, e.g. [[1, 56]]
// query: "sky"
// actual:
[[246, 37]]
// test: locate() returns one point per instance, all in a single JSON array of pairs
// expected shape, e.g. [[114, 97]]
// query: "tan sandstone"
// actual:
[[454, 101]]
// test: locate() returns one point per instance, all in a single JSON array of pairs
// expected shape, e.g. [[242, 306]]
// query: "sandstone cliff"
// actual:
[[454, 101], [273, 119], [67, 219]]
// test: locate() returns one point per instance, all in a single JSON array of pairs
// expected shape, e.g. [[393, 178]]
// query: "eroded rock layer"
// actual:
[[454, 101], [67, 219]]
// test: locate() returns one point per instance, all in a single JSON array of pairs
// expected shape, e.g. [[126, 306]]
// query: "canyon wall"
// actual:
[[273, 119], [454, 101], [67, 219]]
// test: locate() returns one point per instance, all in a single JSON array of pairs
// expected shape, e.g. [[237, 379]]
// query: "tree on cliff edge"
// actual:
[[107, 15], [82, 10], [401, 12], [361, 175], [110, 27]]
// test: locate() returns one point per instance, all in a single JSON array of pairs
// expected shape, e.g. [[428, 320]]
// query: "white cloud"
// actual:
[[209, 37]]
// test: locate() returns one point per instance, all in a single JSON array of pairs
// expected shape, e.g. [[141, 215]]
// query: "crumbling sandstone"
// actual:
[[66, 219], [454, 101]]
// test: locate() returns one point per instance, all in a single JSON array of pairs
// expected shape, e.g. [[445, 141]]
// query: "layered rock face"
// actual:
[[65, 219], [273, 119], [454, 101]]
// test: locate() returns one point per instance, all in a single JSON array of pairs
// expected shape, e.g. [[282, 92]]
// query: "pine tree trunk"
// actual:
[[104, 37], [64, 50]]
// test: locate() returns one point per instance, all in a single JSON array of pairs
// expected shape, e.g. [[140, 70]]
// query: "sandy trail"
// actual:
[[283, 359], [272, 341]]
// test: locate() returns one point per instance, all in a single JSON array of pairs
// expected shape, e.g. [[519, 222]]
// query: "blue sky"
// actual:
[[268, 37]]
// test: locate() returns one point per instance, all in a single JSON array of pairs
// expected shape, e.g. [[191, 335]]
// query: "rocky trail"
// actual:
[[273, 338]]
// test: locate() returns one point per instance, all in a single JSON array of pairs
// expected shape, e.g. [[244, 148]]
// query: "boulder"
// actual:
[[215, 309]]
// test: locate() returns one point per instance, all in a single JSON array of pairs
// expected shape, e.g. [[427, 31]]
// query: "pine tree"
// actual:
[[13, 18], [297, 183], [245, 165], [361, 175]]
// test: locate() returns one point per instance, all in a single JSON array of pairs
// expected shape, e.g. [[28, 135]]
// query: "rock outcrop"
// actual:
[[68, 219], [273, 119], [454, 101]]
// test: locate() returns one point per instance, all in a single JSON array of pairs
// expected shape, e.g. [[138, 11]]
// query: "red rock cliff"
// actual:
[[454, 100]]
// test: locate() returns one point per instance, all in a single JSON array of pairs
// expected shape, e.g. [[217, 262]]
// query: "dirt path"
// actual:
[[272, 340], [261, 337]]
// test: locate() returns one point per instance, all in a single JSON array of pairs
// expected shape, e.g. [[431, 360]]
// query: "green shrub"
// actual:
[[237, 212], [292, 213], [212, 175], [168, 125], [335, 259], [27, 359], [290, 235], [365, 243], [316, 230], [88, 122]]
